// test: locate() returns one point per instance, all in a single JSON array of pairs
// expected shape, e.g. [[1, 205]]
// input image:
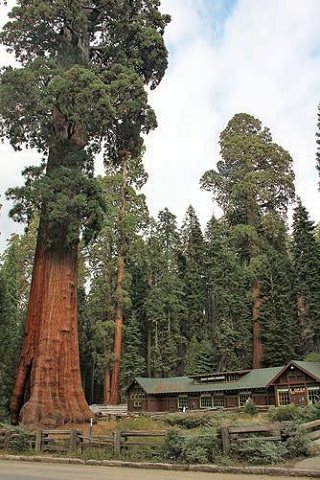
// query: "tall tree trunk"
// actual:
[[48, 389], [257, 341], [106, 383], [114, 398]]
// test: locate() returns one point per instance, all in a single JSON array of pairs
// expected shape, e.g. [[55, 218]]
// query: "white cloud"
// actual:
[[265, 60], [265, 64]]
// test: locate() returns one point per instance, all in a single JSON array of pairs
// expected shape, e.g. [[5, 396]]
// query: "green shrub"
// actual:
[[296, 443], [285, 413], [250, 407], [200, 449], [195, 449], [173, 445], [20, 441], [261, 452], [187, 420]]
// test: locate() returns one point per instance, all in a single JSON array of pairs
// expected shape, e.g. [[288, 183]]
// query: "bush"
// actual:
[[200, 449], [20, 442], [250, 407], [197, 449], [285, 413], [258, 451], [297, 443], [172, 445], [187, 420]]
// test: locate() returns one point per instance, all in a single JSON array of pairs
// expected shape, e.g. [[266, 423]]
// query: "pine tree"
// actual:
[[228, 302], [280, 331], [164, 304], [192, 274], [82, 62], [306, 267]]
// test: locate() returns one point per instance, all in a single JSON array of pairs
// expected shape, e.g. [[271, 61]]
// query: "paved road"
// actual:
[[41, 471]]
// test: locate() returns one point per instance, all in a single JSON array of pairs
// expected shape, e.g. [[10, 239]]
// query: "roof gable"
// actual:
[[310, 368]]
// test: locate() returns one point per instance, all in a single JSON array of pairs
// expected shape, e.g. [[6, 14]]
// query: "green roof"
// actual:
[[257, 378], [310, 367]]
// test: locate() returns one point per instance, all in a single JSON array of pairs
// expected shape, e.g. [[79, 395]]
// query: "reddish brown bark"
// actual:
[[114, 396], [257, 341], [48, 389], [106, 384]]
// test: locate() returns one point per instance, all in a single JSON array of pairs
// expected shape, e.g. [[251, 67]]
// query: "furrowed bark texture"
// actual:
[[257, 342], [48, 389], [48, 378]]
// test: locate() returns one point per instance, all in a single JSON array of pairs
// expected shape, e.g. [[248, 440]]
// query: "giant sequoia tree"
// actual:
[[79, 59], [253, 184]]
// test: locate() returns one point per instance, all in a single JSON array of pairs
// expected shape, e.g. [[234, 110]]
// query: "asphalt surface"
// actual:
[[10, 470]]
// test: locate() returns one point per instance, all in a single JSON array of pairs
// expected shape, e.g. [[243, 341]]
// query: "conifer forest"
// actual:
[[96, 290]]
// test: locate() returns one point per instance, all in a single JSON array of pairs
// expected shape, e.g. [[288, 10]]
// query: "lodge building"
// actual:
[[297, 382]]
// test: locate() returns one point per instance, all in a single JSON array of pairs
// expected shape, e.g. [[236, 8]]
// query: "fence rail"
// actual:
[[71, 440]]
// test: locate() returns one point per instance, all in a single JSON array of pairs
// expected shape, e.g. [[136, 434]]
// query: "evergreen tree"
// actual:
[[191, 265], [82, 65], [164, 304], [253, 182], [278, 313], [228, 300], [306, 267]]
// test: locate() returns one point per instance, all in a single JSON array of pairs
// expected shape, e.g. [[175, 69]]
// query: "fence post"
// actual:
[[73, 440], [225, 439], [38, 444], [7, 439], [116, 442]]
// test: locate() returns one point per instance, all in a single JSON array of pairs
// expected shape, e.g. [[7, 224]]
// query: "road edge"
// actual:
[[271, 471]]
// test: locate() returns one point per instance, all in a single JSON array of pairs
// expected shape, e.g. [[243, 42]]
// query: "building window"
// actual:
[[218, 400], [243, 398], [205, 401], [183, 401], [313, 394], [283, 396]]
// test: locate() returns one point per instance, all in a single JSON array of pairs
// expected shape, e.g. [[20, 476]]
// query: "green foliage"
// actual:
[[297, 442], [250, 407], [260, 452], [187, 420], [228, 303], [306, 265], [312, 357], [173, 445], [20, 441], [194, 449], [80, 89], [278, 313], [285, 413]]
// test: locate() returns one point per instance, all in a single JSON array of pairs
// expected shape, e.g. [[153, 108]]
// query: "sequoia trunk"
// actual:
[[48, 389], [257, 342]]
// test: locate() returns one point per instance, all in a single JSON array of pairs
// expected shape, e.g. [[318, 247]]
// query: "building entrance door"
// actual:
[[298, 395]]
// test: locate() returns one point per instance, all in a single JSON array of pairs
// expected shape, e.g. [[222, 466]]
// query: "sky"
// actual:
[[225, 57]]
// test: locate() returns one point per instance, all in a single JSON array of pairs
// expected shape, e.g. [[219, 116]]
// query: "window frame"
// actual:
[[206, 396], [185, 402]]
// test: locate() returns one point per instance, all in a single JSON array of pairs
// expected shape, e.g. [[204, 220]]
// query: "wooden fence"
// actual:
[[271, 432], [72, 440]]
